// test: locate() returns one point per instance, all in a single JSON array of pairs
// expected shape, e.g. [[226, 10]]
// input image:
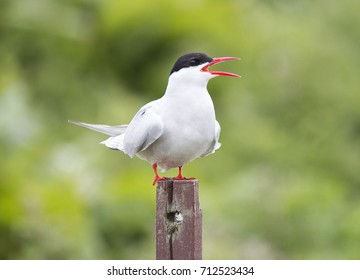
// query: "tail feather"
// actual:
[[105, 129], [115, 143]]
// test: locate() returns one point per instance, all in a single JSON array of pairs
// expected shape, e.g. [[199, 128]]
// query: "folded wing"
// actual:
[[144, 129], [215, 143]]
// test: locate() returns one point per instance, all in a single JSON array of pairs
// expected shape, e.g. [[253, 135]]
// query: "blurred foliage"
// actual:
[[284, 185]]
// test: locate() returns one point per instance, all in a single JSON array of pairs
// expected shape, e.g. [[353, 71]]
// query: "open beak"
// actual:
[[219, 73]]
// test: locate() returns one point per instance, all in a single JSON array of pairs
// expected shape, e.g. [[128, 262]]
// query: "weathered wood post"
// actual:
[[178, 220]]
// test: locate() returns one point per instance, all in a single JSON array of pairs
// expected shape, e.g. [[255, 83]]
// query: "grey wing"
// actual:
[[144, 129], [215, 144]]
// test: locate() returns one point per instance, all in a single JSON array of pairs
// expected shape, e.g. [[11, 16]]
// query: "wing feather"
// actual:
[[215, 144], [144, 129]]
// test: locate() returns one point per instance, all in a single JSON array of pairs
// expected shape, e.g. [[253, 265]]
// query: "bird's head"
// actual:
[[194, 68]]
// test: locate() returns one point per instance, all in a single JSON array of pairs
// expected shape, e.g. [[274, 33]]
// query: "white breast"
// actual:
[[189, 128]]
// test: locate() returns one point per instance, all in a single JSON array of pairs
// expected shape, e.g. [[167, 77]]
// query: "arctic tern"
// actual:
[[177, 128]]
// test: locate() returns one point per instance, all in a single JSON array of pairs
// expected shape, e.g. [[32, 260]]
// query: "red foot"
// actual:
[[180, 176], [183, 178], [157, 177]]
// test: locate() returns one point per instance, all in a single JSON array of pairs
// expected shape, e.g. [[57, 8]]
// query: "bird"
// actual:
[[178, 127]]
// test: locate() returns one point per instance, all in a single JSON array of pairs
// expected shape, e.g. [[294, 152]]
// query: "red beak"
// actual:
[[219, 73]]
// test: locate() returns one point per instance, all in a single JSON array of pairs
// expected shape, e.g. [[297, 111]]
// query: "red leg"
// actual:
[[179, 176], [157, 177]]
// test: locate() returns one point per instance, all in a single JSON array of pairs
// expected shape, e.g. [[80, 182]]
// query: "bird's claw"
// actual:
[[158, 178], [183, 178], [179, 177]]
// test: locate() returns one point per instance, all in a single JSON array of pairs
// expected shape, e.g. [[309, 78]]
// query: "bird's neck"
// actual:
[[178, 85]]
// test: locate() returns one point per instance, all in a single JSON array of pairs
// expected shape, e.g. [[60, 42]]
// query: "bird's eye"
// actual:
[[194, 62]]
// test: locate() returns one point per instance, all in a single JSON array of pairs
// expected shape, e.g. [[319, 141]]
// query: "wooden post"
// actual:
[[178, 220]]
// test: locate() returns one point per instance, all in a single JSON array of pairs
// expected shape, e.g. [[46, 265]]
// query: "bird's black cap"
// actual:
[[190, 59]]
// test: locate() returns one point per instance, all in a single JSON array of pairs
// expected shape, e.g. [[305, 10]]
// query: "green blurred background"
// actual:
[[284, 185]]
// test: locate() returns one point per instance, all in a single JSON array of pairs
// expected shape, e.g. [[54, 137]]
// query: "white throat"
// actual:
[[187, 80]]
